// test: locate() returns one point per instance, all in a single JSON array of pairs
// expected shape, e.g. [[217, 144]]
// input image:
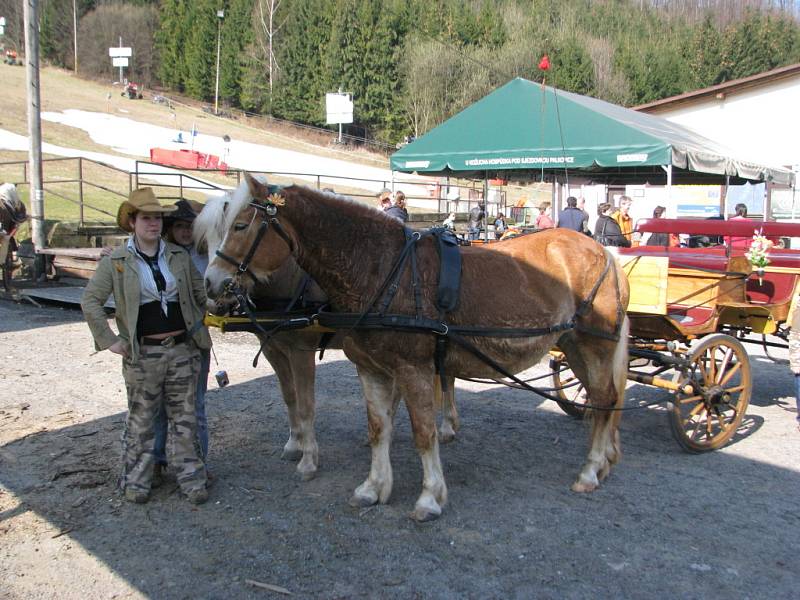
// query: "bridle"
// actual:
[[269, 210]]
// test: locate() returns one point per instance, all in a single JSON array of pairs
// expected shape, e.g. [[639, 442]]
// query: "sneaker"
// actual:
[[136, 497], [197, 496]]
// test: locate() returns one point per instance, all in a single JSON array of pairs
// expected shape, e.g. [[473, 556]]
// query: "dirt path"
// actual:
[[666, 524]]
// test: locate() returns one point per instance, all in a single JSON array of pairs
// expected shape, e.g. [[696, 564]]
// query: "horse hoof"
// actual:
[[307, 475], [293, 455], [362, 501], [425, 515], [445, 437], [583, 487]]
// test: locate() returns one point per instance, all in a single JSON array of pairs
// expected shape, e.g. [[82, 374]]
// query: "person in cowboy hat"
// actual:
[[178, 230], [160, 301]]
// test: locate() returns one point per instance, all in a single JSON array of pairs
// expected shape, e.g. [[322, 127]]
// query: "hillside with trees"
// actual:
[[410, 64]]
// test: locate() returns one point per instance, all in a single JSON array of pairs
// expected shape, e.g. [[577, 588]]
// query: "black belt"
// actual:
[[167, 342]]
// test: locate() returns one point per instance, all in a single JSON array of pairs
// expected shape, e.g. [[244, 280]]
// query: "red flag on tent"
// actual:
[[544, 64]]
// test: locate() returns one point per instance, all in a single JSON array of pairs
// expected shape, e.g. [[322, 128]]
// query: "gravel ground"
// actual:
[[666, 524]]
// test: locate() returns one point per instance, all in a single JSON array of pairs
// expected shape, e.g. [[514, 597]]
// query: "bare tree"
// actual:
[[266, 31]]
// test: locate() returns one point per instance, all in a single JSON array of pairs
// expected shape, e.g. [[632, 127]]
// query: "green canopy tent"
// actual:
[[524, 130]]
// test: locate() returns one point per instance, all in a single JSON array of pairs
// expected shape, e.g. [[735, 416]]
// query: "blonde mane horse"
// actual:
[[536, 281], [291, 354]]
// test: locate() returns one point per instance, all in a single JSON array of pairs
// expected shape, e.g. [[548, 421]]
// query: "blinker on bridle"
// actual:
[[269, 209]]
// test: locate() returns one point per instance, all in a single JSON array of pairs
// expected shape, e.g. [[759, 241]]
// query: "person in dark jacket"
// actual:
[[572, 216], [659, 239], [607, 230], [398, 211]]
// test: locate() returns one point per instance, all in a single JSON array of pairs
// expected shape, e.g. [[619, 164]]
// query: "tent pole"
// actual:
[[486, 206]]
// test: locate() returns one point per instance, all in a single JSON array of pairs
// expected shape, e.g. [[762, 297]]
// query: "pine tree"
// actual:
[[200, 49], [170, 42]]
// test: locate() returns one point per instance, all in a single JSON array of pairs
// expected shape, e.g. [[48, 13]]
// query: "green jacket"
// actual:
[[117, 274]]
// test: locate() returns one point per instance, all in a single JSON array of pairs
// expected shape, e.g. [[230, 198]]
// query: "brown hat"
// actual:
[[141, 200]]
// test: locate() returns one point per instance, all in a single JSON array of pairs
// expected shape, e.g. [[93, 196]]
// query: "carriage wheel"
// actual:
[[719, 373], [567, 388]]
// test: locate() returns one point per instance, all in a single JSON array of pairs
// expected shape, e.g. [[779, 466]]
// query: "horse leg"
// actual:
[[605, 389], [381, 398], [446, 402], [417, 387], [295, 371]]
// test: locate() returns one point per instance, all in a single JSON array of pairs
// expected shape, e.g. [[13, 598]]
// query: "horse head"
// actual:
[[254, 244]]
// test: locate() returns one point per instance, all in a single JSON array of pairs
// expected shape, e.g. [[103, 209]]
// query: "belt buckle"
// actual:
[[168, 342]]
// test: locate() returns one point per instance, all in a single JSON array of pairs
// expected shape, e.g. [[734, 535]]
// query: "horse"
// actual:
[[554, 287], [291, 354]]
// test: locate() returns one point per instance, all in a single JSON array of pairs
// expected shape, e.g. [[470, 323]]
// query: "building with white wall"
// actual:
[[756, 117]]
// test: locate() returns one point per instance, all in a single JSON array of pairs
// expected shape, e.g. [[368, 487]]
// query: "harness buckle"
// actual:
[[442, 333]]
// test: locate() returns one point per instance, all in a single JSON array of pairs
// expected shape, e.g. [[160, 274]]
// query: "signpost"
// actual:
[[339, 109], [119, 57]]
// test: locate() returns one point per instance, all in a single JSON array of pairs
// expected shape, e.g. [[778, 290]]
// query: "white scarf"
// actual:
[[147, 282]]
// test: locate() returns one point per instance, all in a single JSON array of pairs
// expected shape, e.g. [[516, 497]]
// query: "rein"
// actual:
[[379, 320]]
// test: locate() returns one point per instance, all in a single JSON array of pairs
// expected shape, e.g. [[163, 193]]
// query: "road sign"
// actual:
[[339, 108], [112, 52], [120, 61]]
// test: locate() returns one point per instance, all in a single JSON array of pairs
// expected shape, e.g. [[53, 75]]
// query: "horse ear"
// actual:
[[257, 189]]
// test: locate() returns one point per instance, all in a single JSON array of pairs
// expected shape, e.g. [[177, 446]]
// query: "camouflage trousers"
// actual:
[[162, 377]]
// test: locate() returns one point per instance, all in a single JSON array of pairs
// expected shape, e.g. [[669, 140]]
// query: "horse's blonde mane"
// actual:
[[207, 227]]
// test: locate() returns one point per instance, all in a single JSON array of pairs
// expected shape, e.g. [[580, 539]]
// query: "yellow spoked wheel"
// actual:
[[719, 375], [568, 389]]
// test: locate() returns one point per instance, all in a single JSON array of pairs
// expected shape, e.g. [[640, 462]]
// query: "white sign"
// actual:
[[120, 61], [112, 52], [339, 108], [2, 21], [2, 29]]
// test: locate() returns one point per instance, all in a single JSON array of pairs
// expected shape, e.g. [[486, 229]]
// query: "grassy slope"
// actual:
[[61, 90]]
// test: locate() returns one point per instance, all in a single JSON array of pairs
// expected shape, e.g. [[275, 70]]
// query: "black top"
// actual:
[[608, 233], [152, 321]]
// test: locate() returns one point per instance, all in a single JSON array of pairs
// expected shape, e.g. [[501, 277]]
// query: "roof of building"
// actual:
[[723, 89]]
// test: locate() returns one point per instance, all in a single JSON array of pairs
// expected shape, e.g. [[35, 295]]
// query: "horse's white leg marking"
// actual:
[[604, 448], [295, 372], [417, 387], [381, 402]]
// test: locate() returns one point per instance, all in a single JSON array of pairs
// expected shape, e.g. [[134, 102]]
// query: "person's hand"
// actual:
[[106, 251], [119, 347]]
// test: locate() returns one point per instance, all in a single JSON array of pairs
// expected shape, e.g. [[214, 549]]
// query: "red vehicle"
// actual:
[[132, 91]]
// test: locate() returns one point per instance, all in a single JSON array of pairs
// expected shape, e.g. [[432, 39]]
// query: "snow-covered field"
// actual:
[[128, 137]]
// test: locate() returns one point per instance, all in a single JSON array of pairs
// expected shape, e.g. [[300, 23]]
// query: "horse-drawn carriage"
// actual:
[[691, 310]]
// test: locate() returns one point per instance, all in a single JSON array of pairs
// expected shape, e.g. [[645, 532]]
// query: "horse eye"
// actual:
[[240, 226]]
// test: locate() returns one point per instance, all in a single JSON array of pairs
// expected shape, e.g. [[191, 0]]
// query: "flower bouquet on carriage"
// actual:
[[758, 254]]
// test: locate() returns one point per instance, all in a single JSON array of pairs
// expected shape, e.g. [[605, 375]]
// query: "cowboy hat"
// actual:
[[141, 200], [187, 211]]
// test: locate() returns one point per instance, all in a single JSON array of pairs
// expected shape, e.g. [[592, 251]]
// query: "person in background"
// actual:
[[662, 239], [740, 243], [607, 231], [160, 298], [623, 218], [398, 211], [476, 218], [385, 199], [450, 222], [571, 217], [12, 215], [500, 226], [178, 230], [585, 223], [543, 221]]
